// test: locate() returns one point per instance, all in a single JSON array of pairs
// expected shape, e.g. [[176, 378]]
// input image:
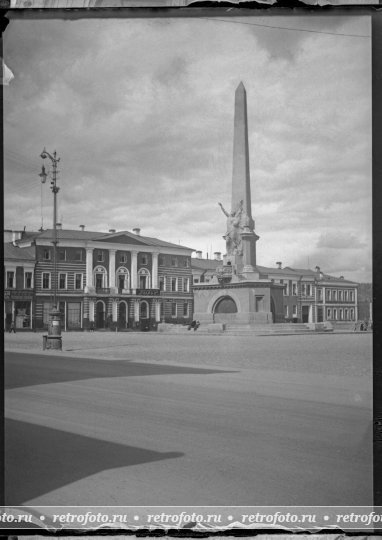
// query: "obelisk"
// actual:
[[241, 182]]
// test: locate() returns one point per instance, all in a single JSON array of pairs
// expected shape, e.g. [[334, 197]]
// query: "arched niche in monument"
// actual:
[[226, 304]]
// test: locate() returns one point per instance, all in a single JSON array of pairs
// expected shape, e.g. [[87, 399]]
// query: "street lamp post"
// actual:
[[53, 340]]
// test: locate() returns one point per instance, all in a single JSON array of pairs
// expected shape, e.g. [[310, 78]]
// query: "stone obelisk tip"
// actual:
[[241, 190]]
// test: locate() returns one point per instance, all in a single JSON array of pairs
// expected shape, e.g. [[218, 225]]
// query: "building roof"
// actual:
[[205, 264], [16, 253], [211, 264], [117, 237]]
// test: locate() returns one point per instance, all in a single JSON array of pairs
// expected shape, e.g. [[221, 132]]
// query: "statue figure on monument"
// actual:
[[234, 227]]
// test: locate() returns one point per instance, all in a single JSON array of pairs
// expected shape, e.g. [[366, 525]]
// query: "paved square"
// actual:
[[149, 419]]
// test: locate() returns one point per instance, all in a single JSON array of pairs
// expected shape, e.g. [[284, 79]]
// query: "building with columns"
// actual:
[[116, 280]]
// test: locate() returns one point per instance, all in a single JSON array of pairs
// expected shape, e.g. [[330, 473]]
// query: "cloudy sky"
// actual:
[[141, 113]]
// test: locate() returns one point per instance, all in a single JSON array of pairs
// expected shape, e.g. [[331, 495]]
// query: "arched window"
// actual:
[[123, 278], [144, 278], [100, 277], [123, 314]]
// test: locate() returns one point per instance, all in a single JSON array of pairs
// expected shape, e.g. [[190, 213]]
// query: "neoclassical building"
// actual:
[[115, 280]]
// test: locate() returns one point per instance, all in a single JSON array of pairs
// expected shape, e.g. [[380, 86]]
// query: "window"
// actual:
[[11, 280], [294, 312], [346, 296], [62, 254], [334, 314], [309, 290], [173, 309], [319, 294], [144, 278], [123, 278], [144, 259], [78, 281], [123, 258], [78, 255], [28, 280], [351, 296], [46, 280], [174, 261], [185, 309], [341, 315], [334, 295], [329, 313], [100, 277], [62, 281], [286, 311], [329, 291], [186, 262], [286, 288], [174, 284], [186, 285], [346, 315], [161, 260], [162, 283], [352, 314], [303, 289], [294, 289], [100, 256], [46, 255], [196, 280]]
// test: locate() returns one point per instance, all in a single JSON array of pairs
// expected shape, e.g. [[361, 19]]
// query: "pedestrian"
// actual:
[[91, 326], [197, 324], [361, 326], [366, 326], [12, 328]]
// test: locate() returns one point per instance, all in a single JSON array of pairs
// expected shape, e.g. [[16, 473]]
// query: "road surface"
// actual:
[[123, 432]]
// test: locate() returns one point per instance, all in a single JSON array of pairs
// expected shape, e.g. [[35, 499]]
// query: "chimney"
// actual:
[[82, 227], [59, 226], [218, 256], [198, 254], [137, 231], [16, 235], [279, 264], [112, 230]]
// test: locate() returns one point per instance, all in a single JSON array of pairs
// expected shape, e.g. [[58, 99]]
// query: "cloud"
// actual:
[[141, 113], [339, 240]]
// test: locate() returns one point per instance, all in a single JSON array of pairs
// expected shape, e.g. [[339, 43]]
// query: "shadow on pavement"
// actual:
[[39, 459], [22, 369]]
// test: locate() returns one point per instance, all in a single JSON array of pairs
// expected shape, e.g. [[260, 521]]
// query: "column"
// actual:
[[112, 268], [89, 269], [91, 310], [134, 270], [157, 310], [154, 281], [114, 311], [136, 310]]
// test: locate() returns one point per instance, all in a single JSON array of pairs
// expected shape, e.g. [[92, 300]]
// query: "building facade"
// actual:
[[309, 296], [118, 280], [19, 293]]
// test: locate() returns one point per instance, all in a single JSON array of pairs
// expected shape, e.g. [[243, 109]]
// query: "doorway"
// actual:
[[100, 314], [305, 314]]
